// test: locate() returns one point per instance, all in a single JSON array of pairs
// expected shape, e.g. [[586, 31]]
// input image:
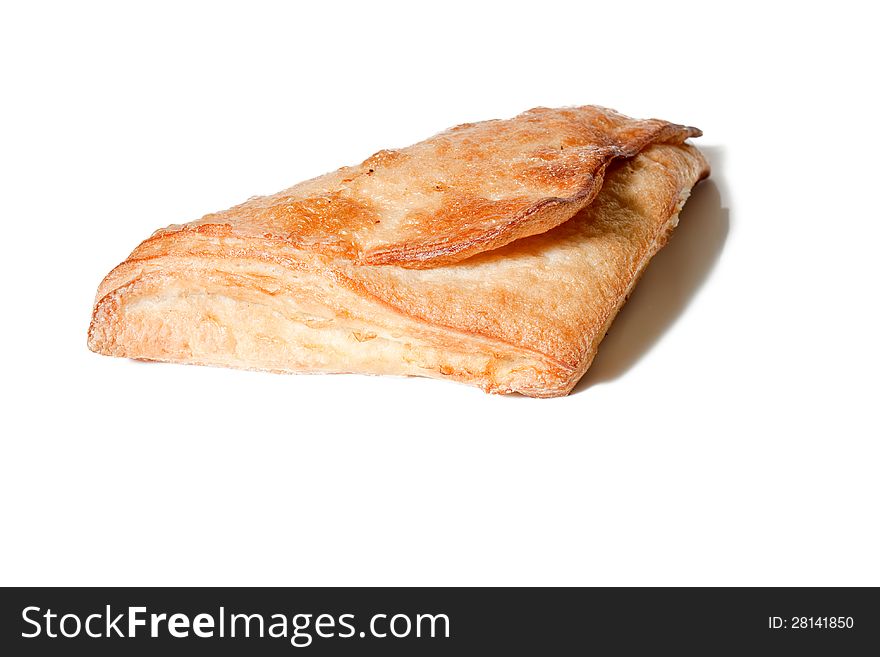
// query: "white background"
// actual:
[[727, 433]]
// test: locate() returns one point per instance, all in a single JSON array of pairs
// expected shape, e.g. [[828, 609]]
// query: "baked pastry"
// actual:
[[495, 253]]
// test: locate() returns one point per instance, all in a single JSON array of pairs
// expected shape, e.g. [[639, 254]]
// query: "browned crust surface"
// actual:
[[555, 292], [470, 189], [526, 317]]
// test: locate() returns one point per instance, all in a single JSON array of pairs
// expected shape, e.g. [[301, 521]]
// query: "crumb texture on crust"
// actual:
[[470, 189], [525, 317]]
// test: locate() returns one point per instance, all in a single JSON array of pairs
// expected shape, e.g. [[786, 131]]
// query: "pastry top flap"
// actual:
[[472, 188]]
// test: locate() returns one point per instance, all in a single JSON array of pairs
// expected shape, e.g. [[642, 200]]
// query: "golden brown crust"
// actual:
[[554, 292], [472, 188], [526, 317]]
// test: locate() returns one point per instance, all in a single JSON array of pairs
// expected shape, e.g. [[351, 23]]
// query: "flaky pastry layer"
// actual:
[[526, 317], [470, 189]]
